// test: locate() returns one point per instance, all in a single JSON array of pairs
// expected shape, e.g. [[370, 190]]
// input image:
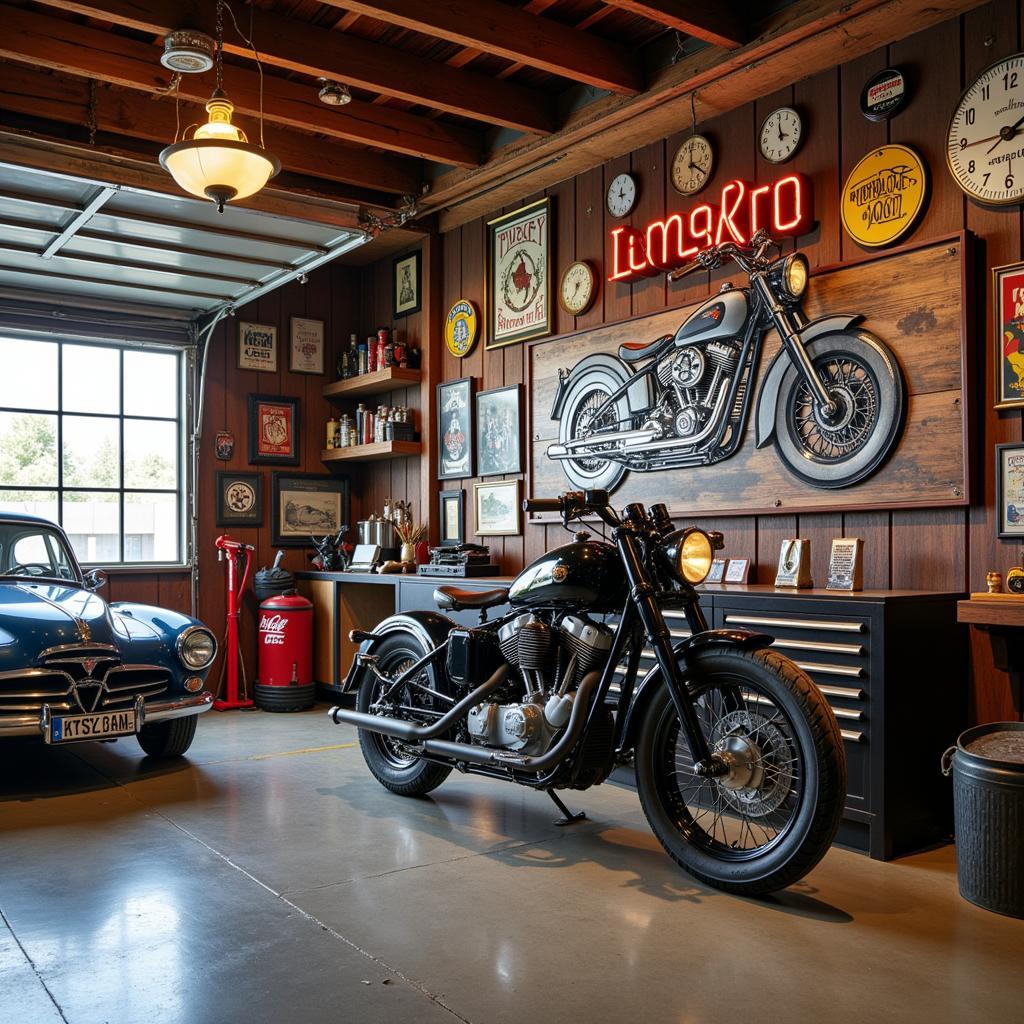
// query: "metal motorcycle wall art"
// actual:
[[832, 402]]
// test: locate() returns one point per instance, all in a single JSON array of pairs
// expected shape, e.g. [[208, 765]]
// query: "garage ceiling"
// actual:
[[77, 237]]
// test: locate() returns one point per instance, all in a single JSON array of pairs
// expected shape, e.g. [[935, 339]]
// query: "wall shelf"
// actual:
[[372, 452], [377, 383]]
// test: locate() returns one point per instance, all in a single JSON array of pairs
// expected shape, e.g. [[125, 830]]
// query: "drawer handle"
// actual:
[[831, 670], [832, 626], [857, 716], [845, 692], [853, 737], [819, 645]]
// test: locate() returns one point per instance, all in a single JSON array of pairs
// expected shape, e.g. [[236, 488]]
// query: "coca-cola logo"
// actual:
[[272, 628]]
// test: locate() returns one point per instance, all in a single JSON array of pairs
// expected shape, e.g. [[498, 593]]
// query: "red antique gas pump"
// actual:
[[236, 551]]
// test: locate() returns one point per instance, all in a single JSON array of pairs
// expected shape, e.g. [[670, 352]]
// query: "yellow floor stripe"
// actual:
[[284, 753]]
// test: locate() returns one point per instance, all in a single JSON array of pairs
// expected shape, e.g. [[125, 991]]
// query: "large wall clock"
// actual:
[[622, 195], [692, 165], [985, 142], [781, 135]]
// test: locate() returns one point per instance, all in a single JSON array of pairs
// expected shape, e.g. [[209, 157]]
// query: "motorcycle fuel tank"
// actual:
[[723, 316], [587, 572]]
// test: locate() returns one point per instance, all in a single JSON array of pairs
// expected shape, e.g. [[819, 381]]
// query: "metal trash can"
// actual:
[[987, 765]]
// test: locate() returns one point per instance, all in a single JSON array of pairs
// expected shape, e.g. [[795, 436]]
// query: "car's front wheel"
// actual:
[[168, 739]]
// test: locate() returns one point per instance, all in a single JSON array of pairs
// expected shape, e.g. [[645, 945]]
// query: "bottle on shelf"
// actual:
[[332, 431]]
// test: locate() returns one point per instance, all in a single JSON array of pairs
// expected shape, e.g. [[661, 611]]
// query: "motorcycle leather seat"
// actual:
[[634, 351], [456, 599]]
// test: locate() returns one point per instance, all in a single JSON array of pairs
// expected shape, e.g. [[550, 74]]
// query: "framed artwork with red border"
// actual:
[[274, 430], [1008, 325]]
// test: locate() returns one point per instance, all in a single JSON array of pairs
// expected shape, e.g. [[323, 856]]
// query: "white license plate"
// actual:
[[101, 726]]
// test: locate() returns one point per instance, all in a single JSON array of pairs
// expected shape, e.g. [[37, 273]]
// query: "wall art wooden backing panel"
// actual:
[[913, 300]]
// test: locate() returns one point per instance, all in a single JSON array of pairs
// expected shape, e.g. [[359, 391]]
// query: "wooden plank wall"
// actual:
[[949, 549]]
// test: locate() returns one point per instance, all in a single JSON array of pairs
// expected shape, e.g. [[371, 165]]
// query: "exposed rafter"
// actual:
[[62, 45], [313, 50], [514, 34], [717, 22]]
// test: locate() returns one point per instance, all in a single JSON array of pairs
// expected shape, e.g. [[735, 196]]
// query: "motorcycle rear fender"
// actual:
[[430, 628], [639, 393], [738, 639], [769, 397]]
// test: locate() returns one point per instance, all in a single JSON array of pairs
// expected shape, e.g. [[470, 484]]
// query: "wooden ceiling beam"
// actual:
[[63, 45], [121, 112], [718, 23], [514, 34], [313, 50]]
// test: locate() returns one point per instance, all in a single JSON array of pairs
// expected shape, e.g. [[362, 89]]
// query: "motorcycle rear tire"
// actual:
[[603, 474], [816, 818]]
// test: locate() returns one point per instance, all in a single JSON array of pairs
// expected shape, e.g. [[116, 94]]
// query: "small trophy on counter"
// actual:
[[845, 564], [794, 564]]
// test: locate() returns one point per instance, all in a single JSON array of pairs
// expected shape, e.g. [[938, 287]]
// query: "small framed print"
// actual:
[[274, 430], [1010, 490], [453, 518], [239, 499], [455, 429], [737, 571], [406, 277], [717, 571], [306, 352], [498, 432], [307, 505], [496, 508], [257, 347], [1008, 321]]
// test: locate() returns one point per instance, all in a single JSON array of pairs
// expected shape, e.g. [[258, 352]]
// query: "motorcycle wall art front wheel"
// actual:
[[586, 396]]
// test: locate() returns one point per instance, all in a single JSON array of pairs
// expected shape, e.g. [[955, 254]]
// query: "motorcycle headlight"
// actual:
[[794, 275], [197, 648], [690, 553]]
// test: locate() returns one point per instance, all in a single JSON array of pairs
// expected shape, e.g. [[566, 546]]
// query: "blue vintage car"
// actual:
[[74, 668]]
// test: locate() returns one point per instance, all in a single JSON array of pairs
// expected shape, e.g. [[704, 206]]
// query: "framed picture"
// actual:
[[453, 518], [1008, 321], [498, 445], [455, 429], [274, 430], [306, 353], [1010, 490], [406, 280], [738, 570], [306, 505], [717, 571], [519, 287], [496, 508], [239, 499], [257, 347]]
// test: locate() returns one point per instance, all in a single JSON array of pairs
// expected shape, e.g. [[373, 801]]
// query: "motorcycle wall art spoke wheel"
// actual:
[[584, 417], [854, 389]]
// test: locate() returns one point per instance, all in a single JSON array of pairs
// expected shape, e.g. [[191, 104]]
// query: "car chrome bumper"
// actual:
[[159, 711]]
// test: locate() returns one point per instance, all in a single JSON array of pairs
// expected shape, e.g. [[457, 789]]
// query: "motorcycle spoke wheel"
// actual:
[[584, 422]]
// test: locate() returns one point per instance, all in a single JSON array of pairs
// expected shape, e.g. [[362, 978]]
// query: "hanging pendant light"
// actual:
[[218, 161]]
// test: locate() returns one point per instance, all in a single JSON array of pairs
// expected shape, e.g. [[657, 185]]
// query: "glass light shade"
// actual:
[[218, 162]]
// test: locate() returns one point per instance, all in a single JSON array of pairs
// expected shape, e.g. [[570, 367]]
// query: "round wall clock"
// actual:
[[692, 165], [985, 141], [578, 288], [781, 135], [622, 195], [883, 94], [461, 326], [884, 195]]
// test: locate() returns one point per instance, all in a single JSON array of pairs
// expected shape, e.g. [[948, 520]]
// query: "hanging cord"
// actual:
[[247, 39], [91, 123], [693, 112]]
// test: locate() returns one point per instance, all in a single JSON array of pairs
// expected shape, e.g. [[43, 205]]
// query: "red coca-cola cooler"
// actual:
[[285, 681]]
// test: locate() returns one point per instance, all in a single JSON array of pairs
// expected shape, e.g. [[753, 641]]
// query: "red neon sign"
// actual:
[[784, 208]]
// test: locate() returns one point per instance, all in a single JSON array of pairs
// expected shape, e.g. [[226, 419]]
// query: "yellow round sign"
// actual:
[[884, 195], [460, 328]]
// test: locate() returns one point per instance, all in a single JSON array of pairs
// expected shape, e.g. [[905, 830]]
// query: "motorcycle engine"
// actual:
[[551, 661], [692, 378]]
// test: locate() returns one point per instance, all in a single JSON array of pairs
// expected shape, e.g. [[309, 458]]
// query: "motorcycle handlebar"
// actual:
[[542, 505], [575, 503]]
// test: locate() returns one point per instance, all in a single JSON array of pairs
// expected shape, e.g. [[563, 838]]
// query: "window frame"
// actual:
[[184, 472]]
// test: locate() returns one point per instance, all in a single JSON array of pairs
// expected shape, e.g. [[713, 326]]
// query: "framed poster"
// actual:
[[453, 518], [257, 347], [1008, 323], [497, 508], [455, 429], [518, 275], [239, 499], [306, 505], [1010, 490], [498, 444], [406, 284], [737, 571], [274, 430], [306, 353]]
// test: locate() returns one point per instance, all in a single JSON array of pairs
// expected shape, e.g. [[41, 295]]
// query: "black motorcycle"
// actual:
[[739, 761], [832, 402]]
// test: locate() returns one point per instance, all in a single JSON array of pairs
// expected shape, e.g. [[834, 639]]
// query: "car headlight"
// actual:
[[794, 275], [690, 553], [197, 648]]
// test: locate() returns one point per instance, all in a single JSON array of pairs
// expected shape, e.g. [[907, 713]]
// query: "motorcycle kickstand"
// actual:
[[568, 818]]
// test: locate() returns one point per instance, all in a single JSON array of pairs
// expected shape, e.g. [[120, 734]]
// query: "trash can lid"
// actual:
[[1002, 744]]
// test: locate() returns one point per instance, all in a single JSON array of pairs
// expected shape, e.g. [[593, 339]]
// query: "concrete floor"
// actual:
[[269, 878]]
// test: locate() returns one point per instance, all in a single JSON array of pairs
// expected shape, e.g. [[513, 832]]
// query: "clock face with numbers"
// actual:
[[622, 195], [781, 135], [692, 165], [985, 142], [578, 288]]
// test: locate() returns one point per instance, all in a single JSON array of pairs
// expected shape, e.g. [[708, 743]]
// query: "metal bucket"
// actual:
[[987, 765]]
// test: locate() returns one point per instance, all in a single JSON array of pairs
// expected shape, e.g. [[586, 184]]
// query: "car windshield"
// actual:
[[34, 552]]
